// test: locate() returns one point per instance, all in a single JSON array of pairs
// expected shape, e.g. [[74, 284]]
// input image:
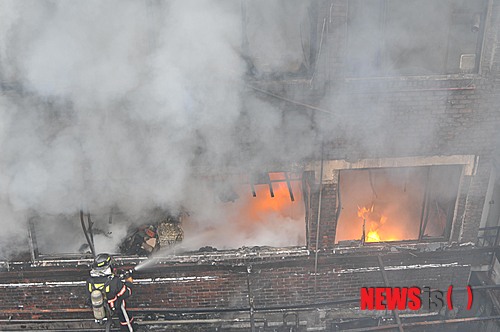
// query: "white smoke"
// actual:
[[132, 105], [121, 104]]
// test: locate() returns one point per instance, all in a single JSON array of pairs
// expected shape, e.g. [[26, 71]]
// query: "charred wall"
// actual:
[[56, 289]]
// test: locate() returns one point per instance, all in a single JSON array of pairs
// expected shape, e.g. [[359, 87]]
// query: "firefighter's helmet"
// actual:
[[103, 264]]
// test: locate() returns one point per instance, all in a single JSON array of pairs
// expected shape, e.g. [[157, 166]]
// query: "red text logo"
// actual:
[[408, 298]]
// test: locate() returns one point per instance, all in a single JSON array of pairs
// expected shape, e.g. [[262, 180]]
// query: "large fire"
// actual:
[[373, 220], [270, 217], [380, 205]]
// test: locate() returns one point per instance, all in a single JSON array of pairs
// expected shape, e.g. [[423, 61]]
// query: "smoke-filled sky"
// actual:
[[122, 104]]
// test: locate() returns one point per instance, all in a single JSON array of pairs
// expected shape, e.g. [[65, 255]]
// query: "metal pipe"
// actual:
[[494, 254], [291, 101], [152, 322], [318, 219], [215, 321], [65, 329], [250, 299], [358, 92], [319, 53], [395, 312], [189, 310], [289, 185], [435, 322], [339, 202]]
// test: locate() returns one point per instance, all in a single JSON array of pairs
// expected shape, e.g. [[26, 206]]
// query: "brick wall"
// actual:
[[389, 117], [59, 291], [328, 219], [403, 116]]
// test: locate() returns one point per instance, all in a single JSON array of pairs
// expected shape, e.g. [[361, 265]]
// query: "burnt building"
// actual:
[[399, 102]]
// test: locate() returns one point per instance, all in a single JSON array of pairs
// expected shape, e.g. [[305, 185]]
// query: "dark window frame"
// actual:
[[451, 217]]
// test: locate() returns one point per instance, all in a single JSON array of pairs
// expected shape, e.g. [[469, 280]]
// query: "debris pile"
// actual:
[[149, 238]]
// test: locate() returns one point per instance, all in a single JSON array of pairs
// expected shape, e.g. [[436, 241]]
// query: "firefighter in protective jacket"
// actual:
[[114, 290]]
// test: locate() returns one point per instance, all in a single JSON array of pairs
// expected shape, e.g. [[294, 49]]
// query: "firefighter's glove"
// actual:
[[130, 279]]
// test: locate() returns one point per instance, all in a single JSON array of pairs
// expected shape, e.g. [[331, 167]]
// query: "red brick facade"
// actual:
[[58, 289]]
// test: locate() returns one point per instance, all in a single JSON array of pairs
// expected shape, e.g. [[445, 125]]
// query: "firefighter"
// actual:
[[103, 277]]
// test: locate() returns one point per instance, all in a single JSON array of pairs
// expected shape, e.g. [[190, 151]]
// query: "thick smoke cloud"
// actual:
[[127, 106], [121, 104]]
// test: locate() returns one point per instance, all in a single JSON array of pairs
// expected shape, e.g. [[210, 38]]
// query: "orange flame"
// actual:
[[260, 207], [254, 219], [372, 237], [374, 221], [363, 212]]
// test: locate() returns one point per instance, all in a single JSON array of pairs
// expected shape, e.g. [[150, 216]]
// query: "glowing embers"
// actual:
[[395, 204]]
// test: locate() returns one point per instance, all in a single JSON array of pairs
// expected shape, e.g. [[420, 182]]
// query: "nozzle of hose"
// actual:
[[127, 274]]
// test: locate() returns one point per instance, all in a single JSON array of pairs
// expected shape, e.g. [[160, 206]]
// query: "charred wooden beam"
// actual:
[[254, 194], [289, 185], [32, 240], [90, 228], [425, 207], [86, 232], [271, 191]]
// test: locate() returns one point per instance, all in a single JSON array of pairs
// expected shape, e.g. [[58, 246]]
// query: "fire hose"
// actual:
[[129, 325], [124, 276]]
